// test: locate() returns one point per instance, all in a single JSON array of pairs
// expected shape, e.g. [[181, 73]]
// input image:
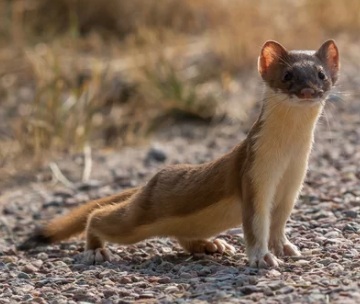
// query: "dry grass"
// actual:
[[107, 73]]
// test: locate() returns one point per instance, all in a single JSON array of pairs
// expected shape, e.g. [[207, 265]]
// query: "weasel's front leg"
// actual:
[[256, 225], [279, 243], [284, 201]]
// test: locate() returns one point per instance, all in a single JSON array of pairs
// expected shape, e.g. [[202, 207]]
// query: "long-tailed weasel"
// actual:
[[255, 184]]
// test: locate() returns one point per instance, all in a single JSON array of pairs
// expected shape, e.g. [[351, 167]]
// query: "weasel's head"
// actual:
[[305, 77]]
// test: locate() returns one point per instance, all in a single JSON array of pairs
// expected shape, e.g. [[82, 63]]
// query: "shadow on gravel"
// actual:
[[205, 276]]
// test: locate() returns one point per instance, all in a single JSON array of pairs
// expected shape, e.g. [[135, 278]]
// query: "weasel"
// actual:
[[256, 184]]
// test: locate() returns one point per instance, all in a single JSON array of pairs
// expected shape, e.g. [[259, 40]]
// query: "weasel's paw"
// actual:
[[290, 249], [285, 249], [223, 246], [97, 256], [207, 246], [266, 260]]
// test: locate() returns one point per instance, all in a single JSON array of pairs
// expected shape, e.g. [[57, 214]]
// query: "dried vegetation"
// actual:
[[76, 72]]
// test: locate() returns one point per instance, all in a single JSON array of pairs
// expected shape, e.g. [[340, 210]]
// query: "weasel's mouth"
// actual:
[[309, 98], [309, 94], [313, 99], [302, 100]]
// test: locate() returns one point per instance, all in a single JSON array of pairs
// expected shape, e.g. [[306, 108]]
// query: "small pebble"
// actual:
[[171, 289], [164, 280], [351, 214], [29, 268], [125, 280], [42, 256], [249, 289], [23, 275], [156, 154]]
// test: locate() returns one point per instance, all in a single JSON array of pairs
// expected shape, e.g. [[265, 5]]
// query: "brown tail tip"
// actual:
[[37, 239]]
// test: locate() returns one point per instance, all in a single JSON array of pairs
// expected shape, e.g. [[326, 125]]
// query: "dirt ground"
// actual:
[[325, 224]]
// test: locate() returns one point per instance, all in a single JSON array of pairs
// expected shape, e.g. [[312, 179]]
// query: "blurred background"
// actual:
[[109, 74]]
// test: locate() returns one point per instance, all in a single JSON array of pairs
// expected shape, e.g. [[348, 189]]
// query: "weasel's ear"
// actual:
[[329, 54], [271, 53]]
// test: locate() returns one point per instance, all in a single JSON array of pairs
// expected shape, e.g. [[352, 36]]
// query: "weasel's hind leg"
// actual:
[[206, 246], [111, 223], [94, 253]]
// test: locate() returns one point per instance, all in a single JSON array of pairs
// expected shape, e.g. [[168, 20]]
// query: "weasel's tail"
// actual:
[[73, 223]]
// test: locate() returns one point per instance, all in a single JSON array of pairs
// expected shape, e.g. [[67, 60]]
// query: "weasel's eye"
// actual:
[[321, 75], [288, 76]]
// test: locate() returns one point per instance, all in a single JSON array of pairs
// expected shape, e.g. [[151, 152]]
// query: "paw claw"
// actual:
[[223, 246], [208, 246], [97, 256], [266, 260], [291, 250], [284, 247]]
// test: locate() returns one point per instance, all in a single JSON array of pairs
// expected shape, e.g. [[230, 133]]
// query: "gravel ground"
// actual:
[[325, 225]]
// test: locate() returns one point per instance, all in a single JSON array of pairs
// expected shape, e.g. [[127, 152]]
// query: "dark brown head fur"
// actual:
[[304, 74]]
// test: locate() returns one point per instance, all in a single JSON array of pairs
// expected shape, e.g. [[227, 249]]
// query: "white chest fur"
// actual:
[[284, 141]]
